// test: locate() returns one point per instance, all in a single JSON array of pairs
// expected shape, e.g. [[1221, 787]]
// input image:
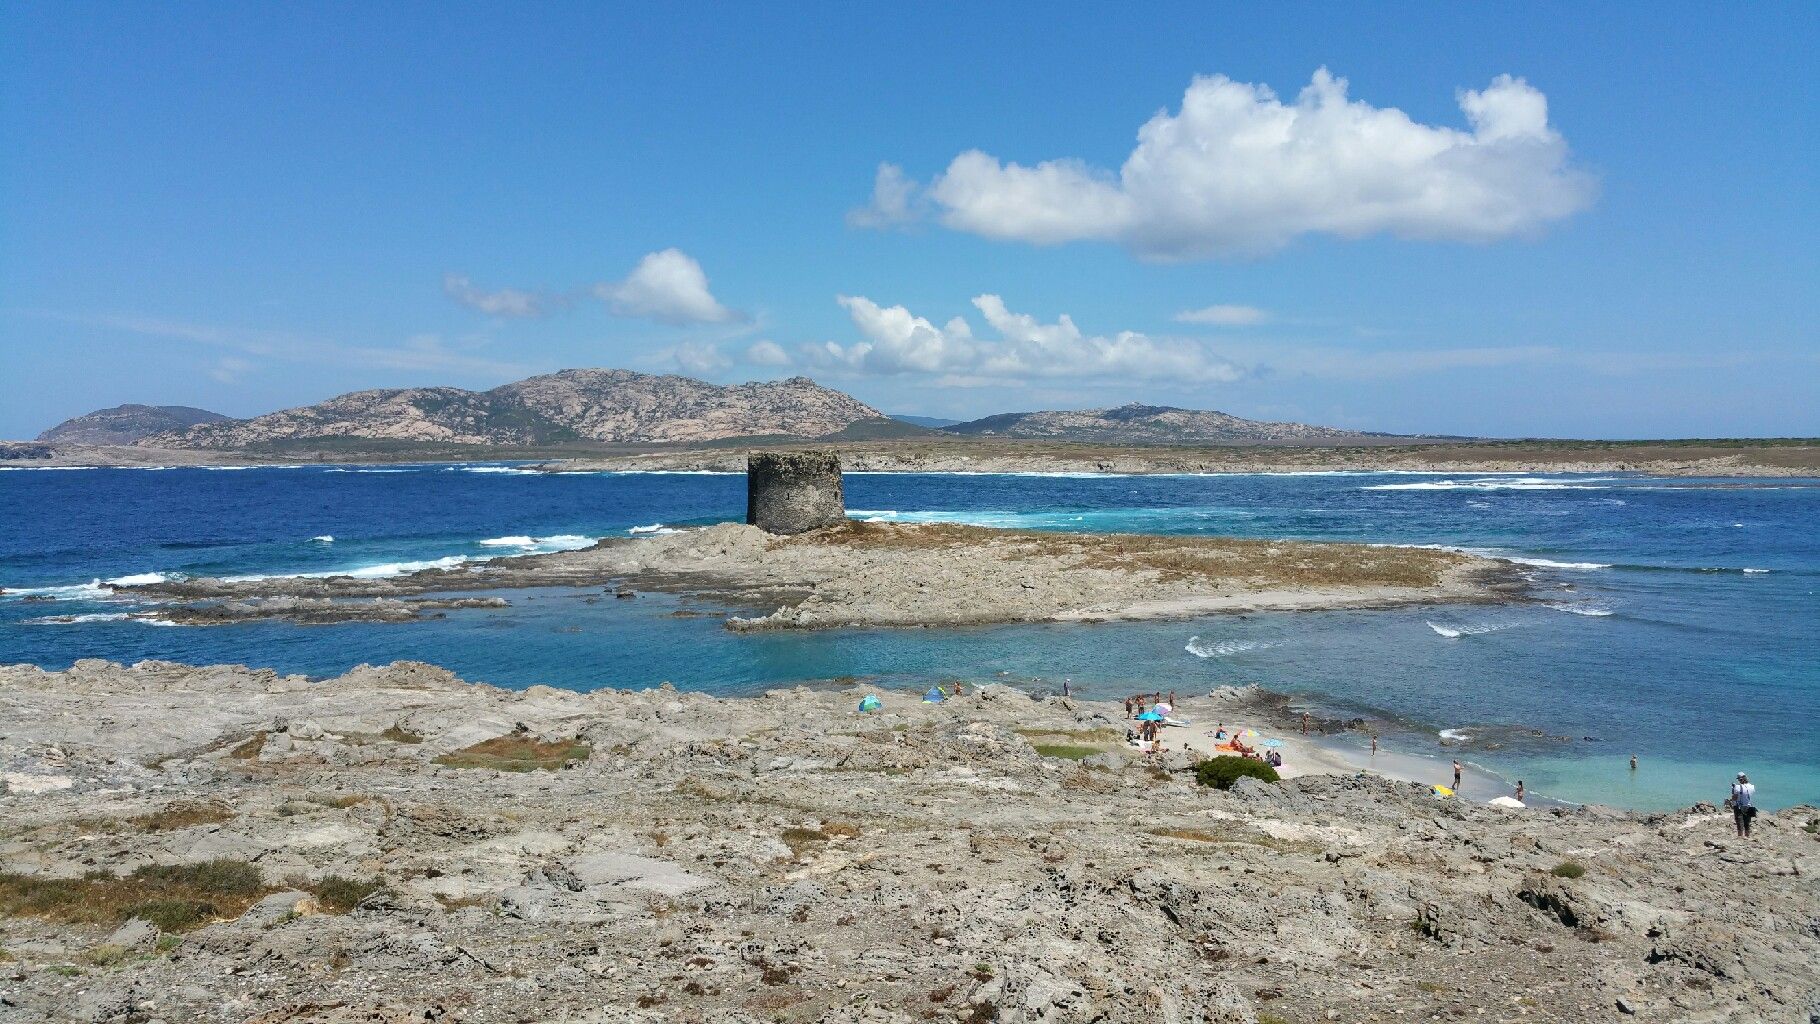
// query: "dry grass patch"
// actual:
[[250, 749], [339, 895], [1066, 751], [174, 897], [1192, 835], [1206, 560], [803, 840], [182, 814], [518, 753]]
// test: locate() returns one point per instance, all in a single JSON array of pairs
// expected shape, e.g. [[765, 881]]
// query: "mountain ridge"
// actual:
[[1137, 423], [565, 406]]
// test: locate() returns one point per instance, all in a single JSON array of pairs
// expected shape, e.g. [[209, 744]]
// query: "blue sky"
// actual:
[[246, 207]]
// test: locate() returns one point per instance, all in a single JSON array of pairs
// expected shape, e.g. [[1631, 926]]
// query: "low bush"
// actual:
[[1222, 772], [1567, 869]]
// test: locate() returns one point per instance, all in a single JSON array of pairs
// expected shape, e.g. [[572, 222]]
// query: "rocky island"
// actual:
[[887, 574], [395, 844]]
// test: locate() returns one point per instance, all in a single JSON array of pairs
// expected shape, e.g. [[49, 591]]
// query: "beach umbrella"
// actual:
[[1164, 708], [1150, 716]]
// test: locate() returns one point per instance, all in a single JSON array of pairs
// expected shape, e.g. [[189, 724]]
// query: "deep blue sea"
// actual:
[[1681, 621]]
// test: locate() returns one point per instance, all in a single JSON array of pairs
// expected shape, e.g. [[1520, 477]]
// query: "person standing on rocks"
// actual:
[[1456, 774], [1520, 791], [1743, 804]]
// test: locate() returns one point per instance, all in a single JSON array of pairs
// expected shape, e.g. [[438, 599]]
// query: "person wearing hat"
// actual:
[[1743, 803]]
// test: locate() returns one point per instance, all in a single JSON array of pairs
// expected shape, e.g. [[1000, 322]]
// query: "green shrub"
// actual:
[[1567, 869], [1222, 772]]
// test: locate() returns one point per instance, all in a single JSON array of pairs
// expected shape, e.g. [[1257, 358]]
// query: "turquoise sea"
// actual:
[[1678, 618]]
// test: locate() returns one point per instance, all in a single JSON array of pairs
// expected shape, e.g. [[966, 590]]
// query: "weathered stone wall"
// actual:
[[794, 492]]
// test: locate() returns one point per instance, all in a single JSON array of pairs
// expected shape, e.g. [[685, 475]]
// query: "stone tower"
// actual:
[[793, 492]]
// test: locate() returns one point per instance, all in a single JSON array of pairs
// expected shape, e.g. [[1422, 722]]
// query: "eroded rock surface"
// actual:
[[787, 858]]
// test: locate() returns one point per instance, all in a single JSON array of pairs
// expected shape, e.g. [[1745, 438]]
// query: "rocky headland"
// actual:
[[391, 845], [883, 574]]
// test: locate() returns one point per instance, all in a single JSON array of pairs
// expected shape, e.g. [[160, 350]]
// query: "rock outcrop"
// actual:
[[555, 408], [1147, 424], [125, 424], [397, 845]]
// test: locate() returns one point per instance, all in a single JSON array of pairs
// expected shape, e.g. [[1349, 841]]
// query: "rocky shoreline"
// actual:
[[897, 575], [1719, 459], [394, 844]]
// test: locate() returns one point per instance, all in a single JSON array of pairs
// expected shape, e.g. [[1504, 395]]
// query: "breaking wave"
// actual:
[[1521, 483], [73, 620], [655, 529], [1222, 648], [1580, 608], [1468, 629]]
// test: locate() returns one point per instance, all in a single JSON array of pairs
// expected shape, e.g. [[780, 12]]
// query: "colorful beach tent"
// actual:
[[934, 696], [870, 702]]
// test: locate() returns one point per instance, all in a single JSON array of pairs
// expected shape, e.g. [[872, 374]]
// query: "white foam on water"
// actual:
[[42, 469], [673, 472], [1755, 572], [1469, 629], [1522, 483], [326, 538], [365, 572], [655, 529], [90, 591], [138, 579], [1455, 735], [508, 542], [1580, 608], [367, 471], [1549, 563], [1221, 648], [501, 470], [74, 620]]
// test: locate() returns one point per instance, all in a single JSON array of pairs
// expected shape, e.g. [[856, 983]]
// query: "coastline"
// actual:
[[1771, 458], [669, 855]]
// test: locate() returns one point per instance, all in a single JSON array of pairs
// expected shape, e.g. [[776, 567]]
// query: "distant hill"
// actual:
[[567, 406], [124, 424], [932, 422], [1145, 424]]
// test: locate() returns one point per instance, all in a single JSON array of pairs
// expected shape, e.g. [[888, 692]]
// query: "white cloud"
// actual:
[[419, 352], [1223, 316], [898, 342], [230, 369], [767, 353], [892, 195], [699, 358], [1239, 172], [504, 302], [669, 287]]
